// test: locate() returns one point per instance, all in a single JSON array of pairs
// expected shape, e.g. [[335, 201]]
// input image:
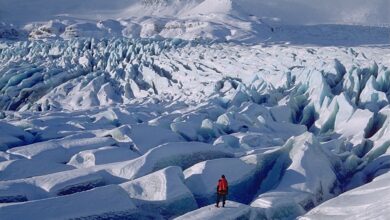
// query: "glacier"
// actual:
[[133, 109], [154, 122]]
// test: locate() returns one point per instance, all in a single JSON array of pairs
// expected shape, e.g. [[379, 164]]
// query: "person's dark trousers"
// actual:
[[221, 197]]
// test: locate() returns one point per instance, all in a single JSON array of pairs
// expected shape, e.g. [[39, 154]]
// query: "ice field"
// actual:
[[134, 109], [145, 130]]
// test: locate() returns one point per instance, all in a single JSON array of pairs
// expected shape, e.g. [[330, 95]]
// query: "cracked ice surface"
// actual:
[[154, 123]]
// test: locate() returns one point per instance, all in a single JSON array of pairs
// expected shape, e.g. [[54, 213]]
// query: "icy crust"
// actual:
[[23, 168], [233, 210], [90, 158], [51, 185], [288, 132], [103, 201], [87, 62], [162, 192], [60, 150], [139, 136], [73, 181], [79, 74], [13, 136], [201, 178], [366, 202], [303, 184], [183, 154], [248, 172]]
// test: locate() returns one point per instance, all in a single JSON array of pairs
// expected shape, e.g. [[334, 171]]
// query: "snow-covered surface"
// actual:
[[162, 192], [133, 109], [299, 11], [232, 210], [183, 154], [22, 168], [97, 202], [102, 155], [370, 201], [208, 172], [289, 132], [302, 185]]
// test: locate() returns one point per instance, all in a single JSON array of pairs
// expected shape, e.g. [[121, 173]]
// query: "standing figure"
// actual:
[[222, 191]]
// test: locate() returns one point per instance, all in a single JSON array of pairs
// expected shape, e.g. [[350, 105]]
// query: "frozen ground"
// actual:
[[154, 123]]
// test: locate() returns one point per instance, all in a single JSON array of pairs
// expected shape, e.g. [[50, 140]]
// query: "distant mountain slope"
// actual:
[[291, 12]]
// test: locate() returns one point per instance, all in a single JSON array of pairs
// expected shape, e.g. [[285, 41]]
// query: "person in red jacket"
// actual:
[[222, 191]]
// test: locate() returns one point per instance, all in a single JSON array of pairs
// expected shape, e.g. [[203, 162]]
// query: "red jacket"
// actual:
[[222, 187]]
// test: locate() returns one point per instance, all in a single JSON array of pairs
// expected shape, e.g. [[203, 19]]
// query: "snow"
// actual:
[[51, 185], [325, 12], [95, 202], [304, 184], [366, 202], [202, 178], [138, 75], [60, 150], [134, 109], [140, 136], [23, 168], [243, 120], [183, 154], [357, 125], [12, 136], [232, 210], [222, 20], [104, 155], [162, 191]]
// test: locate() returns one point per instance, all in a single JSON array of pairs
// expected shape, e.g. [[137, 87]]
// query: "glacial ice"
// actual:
[[202, 178], [60, 150], [302, 186], [103, 155], [23, 168], [365, 202], [182, 154], [161, 192], [97, 202], [233, 210], [154, 123]]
